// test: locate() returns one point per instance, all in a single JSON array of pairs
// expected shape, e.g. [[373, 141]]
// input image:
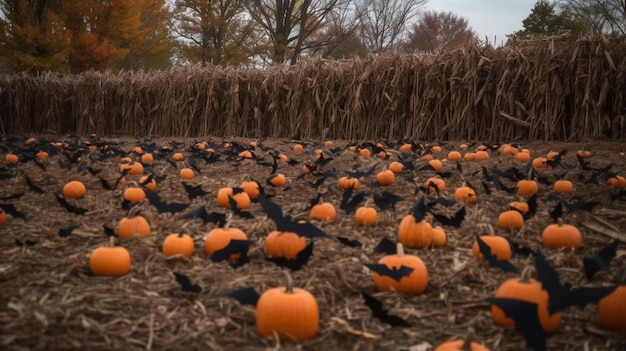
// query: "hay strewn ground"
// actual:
[[50, 301]]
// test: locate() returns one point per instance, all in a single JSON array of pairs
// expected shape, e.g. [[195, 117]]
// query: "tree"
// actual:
[[215, 31], [543, 20], [33, 37], [382, 23], [436, 32], [289, 24], [600, 16]]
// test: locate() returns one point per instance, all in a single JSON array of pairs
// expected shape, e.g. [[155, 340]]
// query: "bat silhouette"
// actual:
[[186, 284], [557, 212], [12, 196], [108, 231], [70, 208], [378, 311], [562, 296], [245, 296], [350, 203], [386, 246], [235, 246], [520, 250], [26, 242], [349, 242], [526, 319], [359, 174], [396, 273], [161, 206], [386, 200], [294, 264], [10, 209], [601, 261], [67, 231], [236, 210], [419, 209], [455, 221], [32, 186], [285, 224], [493, 261], [201, 212]]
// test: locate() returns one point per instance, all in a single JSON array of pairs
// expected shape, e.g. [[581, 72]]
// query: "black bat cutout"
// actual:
[[285, 224], [69, 207], [601, 261], [26, 242], [386, 246], [455, 221], [486, 187], [526, 317], [294, 264], [349, 242], [492, 260], [557, 212], [67, 231], [108, 231], [419, 209], [386, 200], [520, 250], [10, 209], [236, 210], [235, 246], [12, 196], [201, 212], [532, 207], [378, 311], [350, 203], [161, 206], [32, 186], [395, 273], [245, 296], [185, 283], [562, 296]]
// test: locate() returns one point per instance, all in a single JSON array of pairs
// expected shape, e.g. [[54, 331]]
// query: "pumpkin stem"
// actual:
[[490, 229], [469, 338], [112, 241], [525, 278], [399, 250], [229, 218], [288, 283], [560, 222]]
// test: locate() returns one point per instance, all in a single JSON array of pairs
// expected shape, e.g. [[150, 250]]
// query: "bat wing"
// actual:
[[454, 221], [186, 284], [161, 206], [386, 246], [245, 296], [295, 264], [493, 261], [235, 246], [396, 273], [419, 209], [378, 311], [601, 261], [526, 320], [581, 297], [70, 208], [10, 209], [67, 231], [32, 186], [349, 242]]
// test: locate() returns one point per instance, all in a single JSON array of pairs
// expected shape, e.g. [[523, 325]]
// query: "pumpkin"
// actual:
[[413, 284], [396, 167], [74, 190], [324, 211], [540, 162], [366, 216], [415, 235], [454, 156], [617, 182], [284, 244], [366, 153], [346, 183], [510, 219], [186, 173], [178, 244], [612, 309], [148, 184], [177, 156], [134, 168], [427, 157], [11, 158], [522, 156], [435, 165], [465, 194], [251, 188], [109, 261], [466, 344], [41, 156], [134, 194], [559, 235], [433, 184], [245, 154], [386, 177], [298, 148], [3, 217], [563, 187], [277, 180], [469, 156], [219, 238], [529, 290], [436, 148], [583, 153], [439, 237], [463, 146], [520, 206], [552, 155], [328, 144], [406, 147], [288, 312], [499, 247], [481, 155], [131, 226], [241, 198], [526, 187]]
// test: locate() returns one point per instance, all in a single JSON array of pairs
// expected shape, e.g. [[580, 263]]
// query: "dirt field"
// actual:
[[51, 301]]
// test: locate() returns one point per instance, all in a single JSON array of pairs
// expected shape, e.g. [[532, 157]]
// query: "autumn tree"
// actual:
[[381, 24], [33, 37], [544, 20], [600, 16], [289, 24], [436, 32], [337, 38], [215, 31]]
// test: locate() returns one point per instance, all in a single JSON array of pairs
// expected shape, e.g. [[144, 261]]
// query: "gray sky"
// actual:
[[488, 18]]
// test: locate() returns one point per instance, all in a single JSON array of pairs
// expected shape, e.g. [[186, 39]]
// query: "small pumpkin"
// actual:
[[612, 309], [465, 194], [324, 211], [396, 167], [583, 153], [219, 238], [11, 158], [454, 156], [277, 180], [3, 217], [522, 156], [413, 284], [284, 244], [74, 189], [386, 177], [435, 185], [148, 182], [42, 156], [346, 183], [617, 182], [481, 155], [366, 216], [415, 235], [132, 194], [251, 187], [134, 168], [499, 247], [469, 156], [436, 165], [563, 186], [288, 312], [298, 148], [177, 156], [520, 206], [178, 244], [365, 153], [540, 162], [527, 187], [466, 344], [529, 290], [186, 173], [133, 226], [245, 154], [108, 261], [560, 235], [510, 219], [241, 198], [439, 237], [147, 159], [406, 147]]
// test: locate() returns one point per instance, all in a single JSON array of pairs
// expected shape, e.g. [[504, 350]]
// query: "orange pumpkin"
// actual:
[[413, 284], [74, 190], [148, 184], [133, 226], [522, 157], [563, 187], [346, 183], [396, 167], [284, 244], [612, 309], [415, 235], [134, 194], [527, 187], [219, 238], [433, 184], [481, 155], [435, 165], [366, 216], [109, 261], [251, 188], [277, 180], [178, 244], [385, 177], [186, 173], [560, 235], [510, 219], [465, 194], [366, 153], [147, 159], [324, 211], [617, 182], [11, 158], [499, 247], [469, 156], [177, 156], [439, 237], [454, 156], [241, 198]]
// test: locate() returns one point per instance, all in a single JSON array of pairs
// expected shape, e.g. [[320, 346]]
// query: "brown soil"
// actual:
[[51, 301]]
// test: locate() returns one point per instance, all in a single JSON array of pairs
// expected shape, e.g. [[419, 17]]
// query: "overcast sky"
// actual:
[[488, 18]]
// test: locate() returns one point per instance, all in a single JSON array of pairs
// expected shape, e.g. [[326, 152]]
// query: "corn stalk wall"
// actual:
[[551, 89]]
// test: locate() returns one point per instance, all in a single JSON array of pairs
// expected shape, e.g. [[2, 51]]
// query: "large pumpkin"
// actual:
[[413, 284], [612, 309], [415, 235]]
